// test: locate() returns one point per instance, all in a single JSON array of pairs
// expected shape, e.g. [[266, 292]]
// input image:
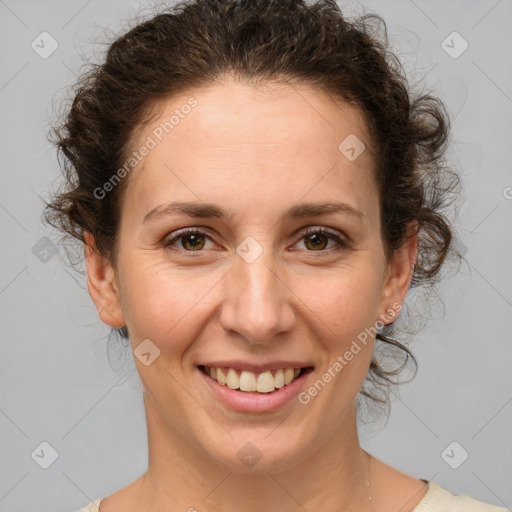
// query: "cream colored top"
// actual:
[[436, 499]]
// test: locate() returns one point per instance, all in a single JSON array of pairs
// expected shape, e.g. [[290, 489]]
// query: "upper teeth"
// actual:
[[248, 381]]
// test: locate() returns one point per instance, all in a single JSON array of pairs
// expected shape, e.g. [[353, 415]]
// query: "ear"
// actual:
[[102, 285], [399, 274]]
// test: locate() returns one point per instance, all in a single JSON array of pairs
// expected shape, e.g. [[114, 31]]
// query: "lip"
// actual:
[[254, 402], [256, 368]]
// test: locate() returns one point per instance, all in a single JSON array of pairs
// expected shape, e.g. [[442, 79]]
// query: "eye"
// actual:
[[192, 240], [317, 239]]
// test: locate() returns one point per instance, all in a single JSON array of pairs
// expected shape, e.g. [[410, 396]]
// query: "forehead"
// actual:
[[271, 137], [277, 112]]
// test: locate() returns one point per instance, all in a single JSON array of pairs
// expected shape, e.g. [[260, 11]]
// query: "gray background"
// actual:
[[60, 384]]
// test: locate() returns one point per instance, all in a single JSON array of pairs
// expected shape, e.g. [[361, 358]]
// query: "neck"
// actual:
[[330, 475]]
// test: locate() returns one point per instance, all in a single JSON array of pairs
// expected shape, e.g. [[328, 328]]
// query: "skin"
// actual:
[[240, 148]]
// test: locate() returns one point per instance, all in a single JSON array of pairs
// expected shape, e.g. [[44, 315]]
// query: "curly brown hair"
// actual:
[[195, 42]]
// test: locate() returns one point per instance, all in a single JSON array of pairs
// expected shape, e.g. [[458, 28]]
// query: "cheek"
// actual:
[[343, 310], [343, 303], [172, 307], [166, 307]]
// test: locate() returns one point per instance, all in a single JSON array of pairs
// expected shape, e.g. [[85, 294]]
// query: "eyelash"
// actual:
[[343, 245]]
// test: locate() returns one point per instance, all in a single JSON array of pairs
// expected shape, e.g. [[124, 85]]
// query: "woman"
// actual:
[[257, 194]]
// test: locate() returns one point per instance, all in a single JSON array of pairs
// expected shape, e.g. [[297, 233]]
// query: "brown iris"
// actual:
[[316, 240], [196, 242]]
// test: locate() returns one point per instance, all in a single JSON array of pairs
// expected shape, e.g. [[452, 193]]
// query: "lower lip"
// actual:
[[243, 401]]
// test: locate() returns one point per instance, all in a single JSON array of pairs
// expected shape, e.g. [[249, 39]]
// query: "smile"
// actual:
[[247, 381]]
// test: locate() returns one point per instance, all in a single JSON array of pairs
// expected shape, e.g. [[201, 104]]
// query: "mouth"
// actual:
[[260, 383]]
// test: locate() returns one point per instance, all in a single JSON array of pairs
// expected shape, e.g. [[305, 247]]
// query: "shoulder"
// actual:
[[440, 499], [94, 506]]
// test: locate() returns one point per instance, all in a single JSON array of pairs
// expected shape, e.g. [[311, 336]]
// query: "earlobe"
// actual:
[[102, 285], [399, 275]]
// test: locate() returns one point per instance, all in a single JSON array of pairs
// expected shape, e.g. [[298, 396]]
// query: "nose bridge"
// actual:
[[257, 305]]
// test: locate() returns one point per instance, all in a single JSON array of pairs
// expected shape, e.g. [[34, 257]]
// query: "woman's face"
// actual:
[[251, 289]]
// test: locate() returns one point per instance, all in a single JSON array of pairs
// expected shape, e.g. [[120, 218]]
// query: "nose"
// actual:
[[258, 303]]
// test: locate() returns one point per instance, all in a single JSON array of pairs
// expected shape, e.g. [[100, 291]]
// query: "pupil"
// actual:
[[195, 240], [315, 239]]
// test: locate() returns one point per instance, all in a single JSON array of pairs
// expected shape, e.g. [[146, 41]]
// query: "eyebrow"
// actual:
[[204, 210]]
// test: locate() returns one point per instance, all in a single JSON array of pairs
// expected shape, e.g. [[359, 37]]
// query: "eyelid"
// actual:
[[169, 240], [343, 243]]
